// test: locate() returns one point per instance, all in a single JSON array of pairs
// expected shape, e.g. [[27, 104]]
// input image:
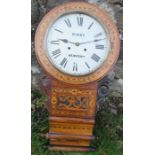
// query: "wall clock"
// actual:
[[76, 44]]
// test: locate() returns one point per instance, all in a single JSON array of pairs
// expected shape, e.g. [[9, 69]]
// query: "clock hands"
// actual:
[[67, 41], [77, 43]]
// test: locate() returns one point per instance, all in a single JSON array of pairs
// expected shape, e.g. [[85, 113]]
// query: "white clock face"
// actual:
[[77, 44]]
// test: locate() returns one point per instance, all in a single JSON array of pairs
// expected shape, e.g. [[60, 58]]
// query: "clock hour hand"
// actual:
[[66, 41], [96, 40]]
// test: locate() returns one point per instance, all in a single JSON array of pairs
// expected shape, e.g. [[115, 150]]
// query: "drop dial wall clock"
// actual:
[[76, 44]]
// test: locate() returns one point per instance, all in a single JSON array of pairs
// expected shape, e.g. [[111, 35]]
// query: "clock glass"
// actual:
[[77, 44]]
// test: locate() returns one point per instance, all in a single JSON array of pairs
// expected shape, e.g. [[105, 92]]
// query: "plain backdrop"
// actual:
[[139, 77]]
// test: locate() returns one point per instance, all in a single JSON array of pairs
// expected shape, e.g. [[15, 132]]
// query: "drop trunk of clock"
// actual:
[[71, 116]]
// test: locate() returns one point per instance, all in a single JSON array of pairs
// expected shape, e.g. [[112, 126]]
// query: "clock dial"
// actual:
[[77, 44]]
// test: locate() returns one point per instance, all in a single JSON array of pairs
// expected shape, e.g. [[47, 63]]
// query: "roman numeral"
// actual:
[[90, 25], [58, 30], [87, 64], [64, 62], [68, 23], [75, 67], [99, 47], [56, 53], [55, 42], [80, 21], [98, 34], [95, 57]]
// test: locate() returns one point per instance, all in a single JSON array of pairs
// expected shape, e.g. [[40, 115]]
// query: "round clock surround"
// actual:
[[98, 15]]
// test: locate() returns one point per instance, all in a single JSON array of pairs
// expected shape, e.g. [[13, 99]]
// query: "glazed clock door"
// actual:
[[77, 44]]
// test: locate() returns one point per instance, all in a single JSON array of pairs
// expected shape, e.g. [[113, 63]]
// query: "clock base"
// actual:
[[71, 148], [70, 134]]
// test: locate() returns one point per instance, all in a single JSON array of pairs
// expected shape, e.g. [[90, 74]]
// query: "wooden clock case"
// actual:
[[72, 99]]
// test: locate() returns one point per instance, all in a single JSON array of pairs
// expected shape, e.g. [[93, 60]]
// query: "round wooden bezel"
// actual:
[[93, 11]]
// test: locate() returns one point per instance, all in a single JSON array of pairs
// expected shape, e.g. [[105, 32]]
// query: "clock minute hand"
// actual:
[[96, 40]]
